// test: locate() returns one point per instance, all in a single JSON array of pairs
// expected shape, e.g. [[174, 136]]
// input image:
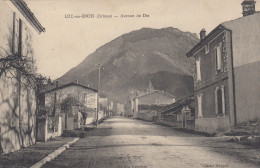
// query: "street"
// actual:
[[127, 143]]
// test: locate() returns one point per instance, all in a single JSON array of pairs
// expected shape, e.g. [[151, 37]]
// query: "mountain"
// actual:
[[130, 61]]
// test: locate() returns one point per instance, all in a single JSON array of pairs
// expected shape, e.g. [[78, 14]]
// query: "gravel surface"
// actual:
[[128, 143]]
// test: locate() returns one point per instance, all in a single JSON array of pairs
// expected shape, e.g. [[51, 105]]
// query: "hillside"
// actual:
[[131, 60]]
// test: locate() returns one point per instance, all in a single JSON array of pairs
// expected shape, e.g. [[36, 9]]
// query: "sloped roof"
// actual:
[[67, 85], [238, 25], [154, 91], [25, 10], [177, 105]]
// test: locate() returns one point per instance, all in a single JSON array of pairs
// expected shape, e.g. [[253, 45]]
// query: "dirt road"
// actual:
[[128, 143]]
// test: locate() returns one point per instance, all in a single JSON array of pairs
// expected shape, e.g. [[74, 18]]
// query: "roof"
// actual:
[[154, 92], [205, 40], [178, 105], [24, 9], [230, 25], [67, 85]]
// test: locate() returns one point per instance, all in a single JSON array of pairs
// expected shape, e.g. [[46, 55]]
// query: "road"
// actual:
[[128, 143]]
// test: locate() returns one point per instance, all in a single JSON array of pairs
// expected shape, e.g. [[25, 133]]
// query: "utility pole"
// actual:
[[99, 66]]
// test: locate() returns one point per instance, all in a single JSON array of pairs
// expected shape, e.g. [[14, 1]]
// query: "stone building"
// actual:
[[18, 28], [226, 72], [66, 107]]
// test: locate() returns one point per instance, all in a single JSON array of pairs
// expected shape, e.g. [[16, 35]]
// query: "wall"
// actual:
[[148, 115], [247, 88], [208, 61], [245, 37], [212, 125], [208, 99], [17, 102]]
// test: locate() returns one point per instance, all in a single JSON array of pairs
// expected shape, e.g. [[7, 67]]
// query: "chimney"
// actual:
[[202, 34], [248, 7]]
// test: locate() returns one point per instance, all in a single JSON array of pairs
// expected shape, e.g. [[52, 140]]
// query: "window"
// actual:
[[220, 100], [207, 48], [218, 55], [199, 97], [198, 69], [17, 34]]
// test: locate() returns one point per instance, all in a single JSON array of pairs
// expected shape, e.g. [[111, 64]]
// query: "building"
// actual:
[[120, 109], [226, 66], [150, 97], [179, 114], [18, 28], [68, 106]]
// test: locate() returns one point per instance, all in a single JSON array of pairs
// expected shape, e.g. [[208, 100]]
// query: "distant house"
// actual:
[[18, 28], [73, 103], [120, 109], [150, 97], [226, 72], [104, 106]]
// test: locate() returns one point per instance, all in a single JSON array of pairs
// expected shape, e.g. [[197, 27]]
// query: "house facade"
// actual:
[[73, 103], [18, 28], [225, 64]]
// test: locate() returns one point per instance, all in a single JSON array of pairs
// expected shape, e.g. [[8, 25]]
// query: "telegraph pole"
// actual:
[[99, 66]]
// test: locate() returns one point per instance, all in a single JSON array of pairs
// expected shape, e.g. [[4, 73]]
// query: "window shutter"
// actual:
[[15, 33], [200, 106], [223, 100], [216, 101], [20, 37], [218, 57], [198, 69]]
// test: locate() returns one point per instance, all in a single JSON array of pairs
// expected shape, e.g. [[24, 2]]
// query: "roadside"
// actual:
[[28, 156], [241, 142]]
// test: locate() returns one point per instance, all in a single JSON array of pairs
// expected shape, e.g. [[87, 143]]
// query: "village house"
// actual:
[[19, 27], [226, 72], [150, 97], [66, 107]]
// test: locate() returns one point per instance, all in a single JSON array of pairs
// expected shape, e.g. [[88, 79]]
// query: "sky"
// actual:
[[68, 41]]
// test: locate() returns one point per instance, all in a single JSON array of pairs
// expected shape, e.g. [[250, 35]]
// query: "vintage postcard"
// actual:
[[129, 83]]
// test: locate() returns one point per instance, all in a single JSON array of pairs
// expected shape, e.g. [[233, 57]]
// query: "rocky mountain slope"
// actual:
[[130, 61]]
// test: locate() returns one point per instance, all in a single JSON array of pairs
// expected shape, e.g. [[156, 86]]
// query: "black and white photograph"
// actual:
[[129, 83]]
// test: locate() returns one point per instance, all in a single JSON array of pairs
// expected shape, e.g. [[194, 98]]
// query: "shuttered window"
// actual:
[[17, 35], [220, 100], [199, 97], [198, 69], [218, 54]]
